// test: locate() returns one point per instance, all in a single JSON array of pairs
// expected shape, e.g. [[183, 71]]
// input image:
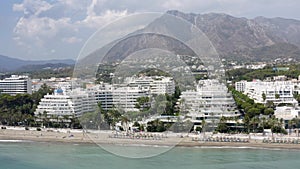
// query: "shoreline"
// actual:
[[66, 136]]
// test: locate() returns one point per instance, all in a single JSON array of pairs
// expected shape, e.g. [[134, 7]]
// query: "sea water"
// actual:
[[33, 155]]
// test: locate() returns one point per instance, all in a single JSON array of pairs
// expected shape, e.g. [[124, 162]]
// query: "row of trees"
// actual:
[[255, 117], [19, 109]]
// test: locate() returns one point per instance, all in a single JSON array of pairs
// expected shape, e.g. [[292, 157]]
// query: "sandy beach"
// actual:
[[171, 139]]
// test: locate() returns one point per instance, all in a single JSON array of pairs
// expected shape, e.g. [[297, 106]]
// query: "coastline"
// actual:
[[68, 136]]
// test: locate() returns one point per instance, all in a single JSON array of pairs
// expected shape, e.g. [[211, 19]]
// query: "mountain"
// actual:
[[238, 39], [258, 39], [13, 64]]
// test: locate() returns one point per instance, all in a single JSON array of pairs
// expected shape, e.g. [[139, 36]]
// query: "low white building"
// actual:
[[266, 91], [287, 112]]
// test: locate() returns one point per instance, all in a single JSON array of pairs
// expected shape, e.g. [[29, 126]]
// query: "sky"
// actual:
[[58, 29]]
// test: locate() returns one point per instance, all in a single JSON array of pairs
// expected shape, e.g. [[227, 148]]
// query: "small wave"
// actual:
[[13, 141], [137, 145], [242, 147]]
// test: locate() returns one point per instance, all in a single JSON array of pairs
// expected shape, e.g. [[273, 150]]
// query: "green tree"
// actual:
[[277, 96], [264, 97], [222, 127]]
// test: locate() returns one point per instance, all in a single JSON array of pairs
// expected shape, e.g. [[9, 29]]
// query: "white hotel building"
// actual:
[[16, 85], [276, 92], [156, 84], [73, 103], [121, 96], [209, 102], [255, 90]]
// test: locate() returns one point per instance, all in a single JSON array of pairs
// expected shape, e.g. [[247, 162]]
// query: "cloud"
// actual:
[[32, 7], [71, 40], [37, 30], [40, 24], [97, 21], [172, 4]]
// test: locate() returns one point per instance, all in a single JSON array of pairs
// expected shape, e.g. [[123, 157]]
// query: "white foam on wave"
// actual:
[[237, 147], [13, 141]]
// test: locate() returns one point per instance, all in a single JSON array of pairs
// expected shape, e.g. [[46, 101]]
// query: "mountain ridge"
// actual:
[[241, 38], [12, 64]]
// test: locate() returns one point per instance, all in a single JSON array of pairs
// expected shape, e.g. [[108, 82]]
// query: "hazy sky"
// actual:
[[57, 29]]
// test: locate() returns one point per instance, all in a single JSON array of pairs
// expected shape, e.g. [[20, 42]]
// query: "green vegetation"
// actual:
[[255, 117], [104, 71], [249, 74], [143, 103], [19, 110], [16, 110], [297, 97], [156, 126], [154, 72]]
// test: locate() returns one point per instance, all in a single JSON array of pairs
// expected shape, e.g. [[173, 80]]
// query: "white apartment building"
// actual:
[[287, 112], [157, 84], [240, 86], [121, 97], [78, 101], [276, 92], [73, 103], [126, 97], [16, 85], [209, 102], [103, 94]]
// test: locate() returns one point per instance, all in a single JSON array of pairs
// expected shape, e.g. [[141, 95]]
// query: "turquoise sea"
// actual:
[[32, 155]]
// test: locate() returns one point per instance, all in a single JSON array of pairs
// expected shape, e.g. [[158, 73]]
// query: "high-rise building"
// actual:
[[73, 103], [156, 84], [16, 85], [209, 102]]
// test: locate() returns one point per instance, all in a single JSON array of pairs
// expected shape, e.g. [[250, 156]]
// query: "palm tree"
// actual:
[[124, 122], [254, 122], [237, 123], [277, 96], [263, 123], [273, 123], [66, 119], [281, 122], [264, 96], [246, 122], [203, 125], [45, 118], [290, 125], [40, 116], [182, 105]]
